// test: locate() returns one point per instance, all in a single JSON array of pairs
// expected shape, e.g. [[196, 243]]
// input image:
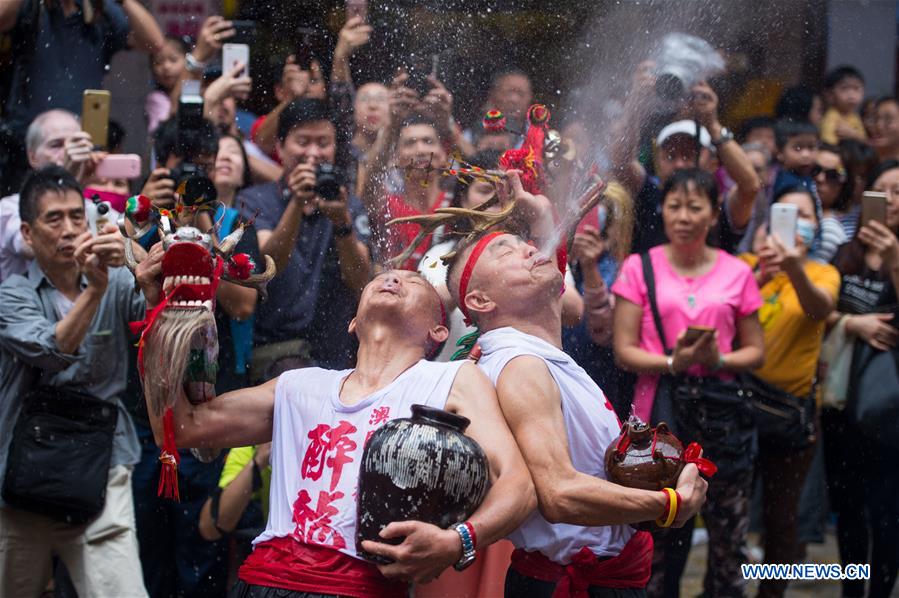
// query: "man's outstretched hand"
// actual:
[[424, 554]]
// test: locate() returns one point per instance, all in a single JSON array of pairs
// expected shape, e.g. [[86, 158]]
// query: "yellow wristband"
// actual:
[[672, 509]]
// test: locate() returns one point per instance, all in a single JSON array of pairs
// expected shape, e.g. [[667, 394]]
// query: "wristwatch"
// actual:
[[468, 550], [193, 65], [723, 138]]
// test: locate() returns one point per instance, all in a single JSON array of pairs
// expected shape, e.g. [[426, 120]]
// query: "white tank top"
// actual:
[[317, 447], [590, 424]]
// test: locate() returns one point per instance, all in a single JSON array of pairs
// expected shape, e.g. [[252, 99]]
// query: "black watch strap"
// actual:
[[342, 230]]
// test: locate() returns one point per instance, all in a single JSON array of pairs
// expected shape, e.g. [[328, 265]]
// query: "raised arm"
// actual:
[[9, 14], [380, 155], [731, 156], [816, 301], [626, 135], [532, 406], [428, 550], [237, 418], [354, 34], [145, 34]]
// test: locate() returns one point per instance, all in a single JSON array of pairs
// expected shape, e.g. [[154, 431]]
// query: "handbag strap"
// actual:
[[650, 280]]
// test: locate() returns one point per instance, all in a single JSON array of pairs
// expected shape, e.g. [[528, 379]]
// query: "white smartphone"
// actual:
[[232, 54], [784, 217], [119, 166]]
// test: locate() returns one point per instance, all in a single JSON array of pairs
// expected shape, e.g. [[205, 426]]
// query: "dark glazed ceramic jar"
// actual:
[[644, 457], [422, 468]]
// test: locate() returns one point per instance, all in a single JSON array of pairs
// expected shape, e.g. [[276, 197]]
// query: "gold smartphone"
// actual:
[[874, 207], [95, 115]]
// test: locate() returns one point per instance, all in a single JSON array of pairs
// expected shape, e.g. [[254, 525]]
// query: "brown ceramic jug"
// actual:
[[422, 468], [644, 457]]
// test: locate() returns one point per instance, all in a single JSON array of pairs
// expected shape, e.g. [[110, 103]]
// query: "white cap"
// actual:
[[684, 127]]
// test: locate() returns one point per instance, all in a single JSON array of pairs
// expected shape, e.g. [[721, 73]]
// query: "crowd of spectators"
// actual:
[[694, 216]]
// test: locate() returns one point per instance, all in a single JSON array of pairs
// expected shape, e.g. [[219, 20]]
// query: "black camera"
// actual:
[[197, 187], [328, 181]]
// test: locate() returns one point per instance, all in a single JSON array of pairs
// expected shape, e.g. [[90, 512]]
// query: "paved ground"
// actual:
[[691, 585]]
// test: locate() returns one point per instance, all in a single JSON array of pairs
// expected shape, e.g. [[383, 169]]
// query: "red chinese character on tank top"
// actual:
[[330, 447], [314, 525]]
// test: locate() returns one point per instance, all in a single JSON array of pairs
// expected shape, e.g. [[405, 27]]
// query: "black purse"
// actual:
[[785, 421], [58, 462], [708, 410], [873, 398]]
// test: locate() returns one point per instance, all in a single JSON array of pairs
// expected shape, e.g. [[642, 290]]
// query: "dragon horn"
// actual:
[[226, 247], [257, 281]]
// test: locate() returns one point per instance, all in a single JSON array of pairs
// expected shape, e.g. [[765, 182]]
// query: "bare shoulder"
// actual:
[[525, 370]]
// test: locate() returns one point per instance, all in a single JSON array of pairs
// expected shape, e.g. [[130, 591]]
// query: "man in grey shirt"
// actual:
[[65, 323]]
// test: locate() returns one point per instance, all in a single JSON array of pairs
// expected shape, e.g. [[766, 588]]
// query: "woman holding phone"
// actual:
[[862, 476], [695, 285], [798, 295]]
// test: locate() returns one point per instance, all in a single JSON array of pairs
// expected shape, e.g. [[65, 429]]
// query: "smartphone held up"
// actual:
[[95, 116], [874, 207], [784, 222]]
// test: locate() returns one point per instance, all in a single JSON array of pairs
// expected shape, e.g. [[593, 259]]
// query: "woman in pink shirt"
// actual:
[[695, 285]]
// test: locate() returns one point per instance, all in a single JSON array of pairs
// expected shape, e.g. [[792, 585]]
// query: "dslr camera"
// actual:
[[328, 181], [198, 187], [682, 61]]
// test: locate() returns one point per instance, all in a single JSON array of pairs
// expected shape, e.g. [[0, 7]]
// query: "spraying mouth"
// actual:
[[540, 260]]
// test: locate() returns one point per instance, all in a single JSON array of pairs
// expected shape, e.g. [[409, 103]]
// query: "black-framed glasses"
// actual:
[[831, 175]]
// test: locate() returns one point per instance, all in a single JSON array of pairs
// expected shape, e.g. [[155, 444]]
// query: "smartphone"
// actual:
[[95, 115], [357, 8], [97, 213], [874, 207], [303, 51], [190, 106], [244, 32], [418, 70], [694, 333], [783, 221], [233, 54], [119, 166]]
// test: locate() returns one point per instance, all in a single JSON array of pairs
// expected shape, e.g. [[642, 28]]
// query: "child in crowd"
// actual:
[[169, 69], [759, 129], [844, 91], [797, 150]]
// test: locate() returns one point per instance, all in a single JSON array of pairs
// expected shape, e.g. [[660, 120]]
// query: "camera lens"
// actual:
[[328, 180], [669, 87]]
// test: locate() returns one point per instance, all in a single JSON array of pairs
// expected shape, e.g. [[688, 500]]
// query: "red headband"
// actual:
[[469, 268]]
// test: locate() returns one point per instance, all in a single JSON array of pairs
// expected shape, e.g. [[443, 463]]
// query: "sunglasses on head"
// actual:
[[831, 175]]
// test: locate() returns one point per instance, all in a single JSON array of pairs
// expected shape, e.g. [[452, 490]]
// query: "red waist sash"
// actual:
[[630, 569], [291, 565]]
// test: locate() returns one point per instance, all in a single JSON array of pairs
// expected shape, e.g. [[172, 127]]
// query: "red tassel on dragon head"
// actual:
[[179, 341]]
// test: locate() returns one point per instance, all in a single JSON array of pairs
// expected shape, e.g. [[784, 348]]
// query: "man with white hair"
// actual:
[[53, 137]]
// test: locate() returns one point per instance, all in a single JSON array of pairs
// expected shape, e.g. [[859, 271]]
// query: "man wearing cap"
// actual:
[[676, 147]]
